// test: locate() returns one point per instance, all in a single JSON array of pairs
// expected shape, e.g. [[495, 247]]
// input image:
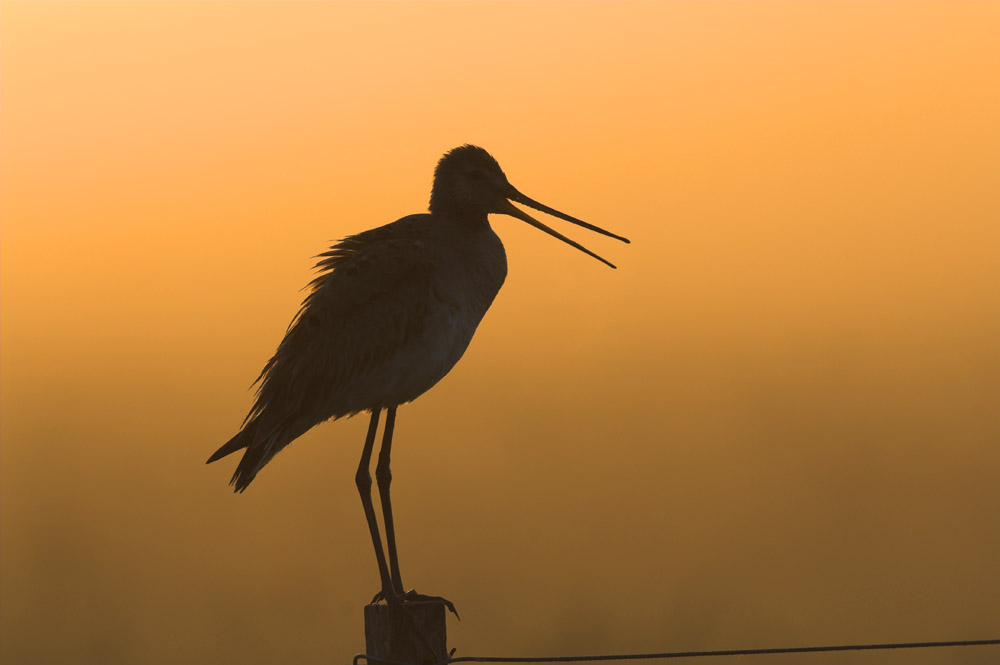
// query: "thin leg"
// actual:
[[384, 478], [364, 482]]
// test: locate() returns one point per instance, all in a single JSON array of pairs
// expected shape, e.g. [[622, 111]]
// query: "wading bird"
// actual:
[[389, 314]]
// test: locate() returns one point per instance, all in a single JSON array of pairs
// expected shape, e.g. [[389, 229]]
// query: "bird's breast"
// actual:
[[460, 296]]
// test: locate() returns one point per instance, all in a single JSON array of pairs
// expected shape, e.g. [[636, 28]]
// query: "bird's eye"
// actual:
[[477, 175]]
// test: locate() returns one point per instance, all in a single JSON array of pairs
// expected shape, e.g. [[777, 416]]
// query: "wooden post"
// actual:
[[391, 635]]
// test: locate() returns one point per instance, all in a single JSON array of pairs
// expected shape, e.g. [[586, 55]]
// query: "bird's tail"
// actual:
[[255, 457], [242, 440], [261, 444]]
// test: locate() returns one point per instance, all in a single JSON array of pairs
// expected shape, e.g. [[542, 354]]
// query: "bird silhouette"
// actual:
[[390, 312]]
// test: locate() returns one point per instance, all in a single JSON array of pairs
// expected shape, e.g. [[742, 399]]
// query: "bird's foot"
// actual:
[[412, 596]]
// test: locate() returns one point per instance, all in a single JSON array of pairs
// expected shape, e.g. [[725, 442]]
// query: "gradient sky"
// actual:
[[776, 424]]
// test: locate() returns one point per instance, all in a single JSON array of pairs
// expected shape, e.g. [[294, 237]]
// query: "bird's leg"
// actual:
[[384, 478], [392, 587], [383, 475], [364, 482]]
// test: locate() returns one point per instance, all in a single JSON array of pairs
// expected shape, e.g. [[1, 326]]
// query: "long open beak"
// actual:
[[508, 208]]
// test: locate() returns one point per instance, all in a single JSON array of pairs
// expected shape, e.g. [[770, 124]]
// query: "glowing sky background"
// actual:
[[776, 424]]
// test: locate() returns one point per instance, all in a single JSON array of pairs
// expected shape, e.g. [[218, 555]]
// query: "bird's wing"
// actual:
[[368, 301]]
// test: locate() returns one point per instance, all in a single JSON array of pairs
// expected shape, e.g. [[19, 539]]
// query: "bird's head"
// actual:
[[469, 184], [468, 181]]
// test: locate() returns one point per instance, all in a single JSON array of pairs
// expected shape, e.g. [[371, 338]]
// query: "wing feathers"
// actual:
[[366, 302]]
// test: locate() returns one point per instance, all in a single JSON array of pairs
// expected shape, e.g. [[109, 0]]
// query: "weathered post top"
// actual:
[[419, 639]]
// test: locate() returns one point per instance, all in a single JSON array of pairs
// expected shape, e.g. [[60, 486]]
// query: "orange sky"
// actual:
[[775, 424]]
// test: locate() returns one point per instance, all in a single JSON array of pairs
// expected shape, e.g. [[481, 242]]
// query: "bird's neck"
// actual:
[[467, 216]]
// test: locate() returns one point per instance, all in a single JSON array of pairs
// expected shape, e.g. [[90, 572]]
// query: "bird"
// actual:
[[391, 310]]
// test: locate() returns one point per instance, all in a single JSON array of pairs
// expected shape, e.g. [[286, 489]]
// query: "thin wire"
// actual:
[[691, 654]]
